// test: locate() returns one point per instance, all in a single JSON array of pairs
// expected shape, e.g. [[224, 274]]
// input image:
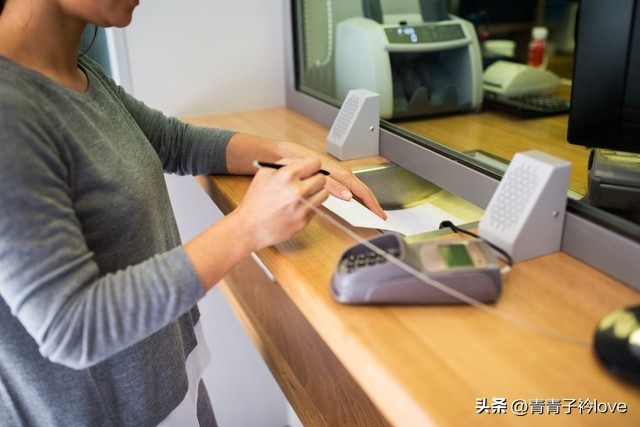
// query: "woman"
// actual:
[[98, 317]]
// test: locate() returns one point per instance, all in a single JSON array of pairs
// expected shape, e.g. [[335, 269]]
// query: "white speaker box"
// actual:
[[355, 132], [525, 215]]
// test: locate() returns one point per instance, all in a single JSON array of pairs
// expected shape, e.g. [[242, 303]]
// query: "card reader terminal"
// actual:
[[468, 266]]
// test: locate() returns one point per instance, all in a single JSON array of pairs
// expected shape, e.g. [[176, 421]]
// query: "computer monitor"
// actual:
[[605, 100]]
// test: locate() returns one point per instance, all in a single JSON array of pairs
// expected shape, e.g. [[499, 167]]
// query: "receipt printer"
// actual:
[[514, 79], [420, 62]]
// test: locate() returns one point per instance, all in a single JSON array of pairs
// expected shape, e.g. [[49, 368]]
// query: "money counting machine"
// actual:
[[418, 58]]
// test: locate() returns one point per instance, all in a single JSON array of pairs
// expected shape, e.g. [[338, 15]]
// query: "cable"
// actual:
[[451, 225], [92, 41]]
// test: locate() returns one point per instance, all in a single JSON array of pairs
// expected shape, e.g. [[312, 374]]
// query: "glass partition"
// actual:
[[483, 141], [454, 149]]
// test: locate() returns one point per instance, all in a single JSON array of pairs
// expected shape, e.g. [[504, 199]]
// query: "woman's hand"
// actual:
[[244, 149], [343, 184], [270, 212], [272, 209]]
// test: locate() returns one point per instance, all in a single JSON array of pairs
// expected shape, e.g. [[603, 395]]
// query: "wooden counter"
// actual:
[[416, 366]]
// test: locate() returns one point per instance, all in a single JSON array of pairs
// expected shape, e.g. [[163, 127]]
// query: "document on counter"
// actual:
[[408, 221]]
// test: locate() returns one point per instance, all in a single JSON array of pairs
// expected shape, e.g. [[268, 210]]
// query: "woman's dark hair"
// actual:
[[1, 5]]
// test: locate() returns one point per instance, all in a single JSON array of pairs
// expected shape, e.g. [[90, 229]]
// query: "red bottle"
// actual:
[[538, 47]]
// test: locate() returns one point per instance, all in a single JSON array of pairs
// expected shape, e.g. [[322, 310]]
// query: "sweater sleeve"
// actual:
[[49, 277], [184, 149]]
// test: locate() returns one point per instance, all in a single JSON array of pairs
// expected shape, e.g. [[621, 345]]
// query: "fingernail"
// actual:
[[346, 194]]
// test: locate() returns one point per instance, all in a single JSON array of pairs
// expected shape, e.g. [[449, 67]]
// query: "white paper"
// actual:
[[410, 221]]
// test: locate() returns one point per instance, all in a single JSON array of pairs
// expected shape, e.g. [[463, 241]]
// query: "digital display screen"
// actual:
[[424, 33], [406, 35], [456, 255]]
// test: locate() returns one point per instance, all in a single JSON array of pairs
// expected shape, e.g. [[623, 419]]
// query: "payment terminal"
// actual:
[[468, 266]]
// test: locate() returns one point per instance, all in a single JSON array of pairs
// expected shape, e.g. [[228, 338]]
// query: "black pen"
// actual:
[[259, 163]]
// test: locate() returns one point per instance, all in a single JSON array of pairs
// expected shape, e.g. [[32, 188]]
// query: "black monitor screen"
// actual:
[[605, 97]]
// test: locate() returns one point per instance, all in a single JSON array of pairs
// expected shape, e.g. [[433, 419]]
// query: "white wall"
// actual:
[[194, 57], [198, 57]]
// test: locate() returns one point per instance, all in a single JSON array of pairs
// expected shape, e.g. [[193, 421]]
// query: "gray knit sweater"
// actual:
[[97, 297]]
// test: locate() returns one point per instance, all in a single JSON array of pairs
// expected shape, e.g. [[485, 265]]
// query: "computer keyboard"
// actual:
[[527, 106]]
